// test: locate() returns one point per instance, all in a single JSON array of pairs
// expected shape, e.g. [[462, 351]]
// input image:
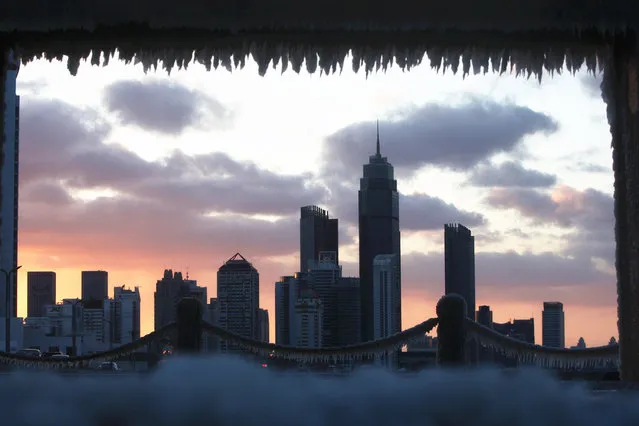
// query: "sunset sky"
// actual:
[[135, 173]]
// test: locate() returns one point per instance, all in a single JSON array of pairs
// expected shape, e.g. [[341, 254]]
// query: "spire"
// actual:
[[378, 153]]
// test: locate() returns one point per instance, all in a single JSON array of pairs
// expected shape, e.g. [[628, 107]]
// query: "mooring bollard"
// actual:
[[189, 325], [451, 331]]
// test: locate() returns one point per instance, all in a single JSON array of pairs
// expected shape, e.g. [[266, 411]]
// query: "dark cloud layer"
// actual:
[[196, 206], [511, 276], [588, 213], [417, 212], [456, 137], [510, 174], [162, 106]]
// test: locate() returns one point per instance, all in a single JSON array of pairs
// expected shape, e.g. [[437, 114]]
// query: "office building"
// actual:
[[309, 320], [283, 310], [126, 315], [386, 296], [264, 325], [484, 316], [323, 278], [97, 319], [318, 233], [519, 329], [238, 293], [41, 288], [9, 186], [168, 293], [552, 325], [459, 258], [95, 285], [349, 330], [378, 228], [211, 343]]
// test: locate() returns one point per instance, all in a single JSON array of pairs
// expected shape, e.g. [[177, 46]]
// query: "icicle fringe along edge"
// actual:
[[328, 58], [85, 360], [343, 353], [527, 353]]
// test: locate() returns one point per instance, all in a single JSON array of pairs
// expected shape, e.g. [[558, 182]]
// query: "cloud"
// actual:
[[417, 212], [589, 214], [199, 206], [592, 84], [512, 276], [510, 174], [455, 137], [162, 106]]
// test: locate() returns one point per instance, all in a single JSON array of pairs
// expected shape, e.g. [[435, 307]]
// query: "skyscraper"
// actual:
[[9, 184], [323, 276], [378, 228], [40, 292], [95, 285], [349, 329], [386, 296], [484, 316], [283, 310], [317, 233], [552, 325], [238, 293], [459, 256], [126, 321]]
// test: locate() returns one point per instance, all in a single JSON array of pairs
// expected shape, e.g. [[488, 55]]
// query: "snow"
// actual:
[[219, 391]]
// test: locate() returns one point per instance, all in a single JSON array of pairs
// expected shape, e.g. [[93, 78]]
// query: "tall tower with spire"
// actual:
[[378, 229]]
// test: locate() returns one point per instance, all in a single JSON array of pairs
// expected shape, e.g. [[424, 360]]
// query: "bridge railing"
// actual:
[[454, 330]]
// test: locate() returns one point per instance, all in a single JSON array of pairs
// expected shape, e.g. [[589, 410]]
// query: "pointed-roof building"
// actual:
[[378, 228], [238, 295]]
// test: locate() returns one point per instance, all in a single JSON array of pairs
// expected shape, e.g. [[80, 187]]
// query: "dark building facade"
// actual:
[[378, 228], [238, 293], [484, 316], [349, 331], [318, 233], [552, 325], [520, 329], [95, 285], [459, 255], [41, 288]]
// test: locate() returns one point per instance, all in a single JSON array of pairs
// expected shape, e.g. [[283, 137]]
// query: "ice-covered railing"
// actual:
[[358, 351], [453, 332], [85, 360], [543, 356]]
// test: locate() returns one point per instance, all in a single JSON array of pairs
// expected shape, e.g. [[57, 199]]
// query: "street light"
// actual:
[[7, 319]]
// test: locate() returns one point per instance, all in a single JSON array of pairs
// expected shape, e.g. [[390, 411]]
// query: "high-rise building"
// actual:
[[283, 310], [238, 292], [95, 285], [211, 343], [41, 288], [9, 186], [126, 317], [168, 293], [520, 329], [459, 257], [387, 313], [97, 319], [349, 329], [264, 325], [323, 277], [309, 320], [378, 228], [484, 316], [317, 233], [552, 325], [191, 289]]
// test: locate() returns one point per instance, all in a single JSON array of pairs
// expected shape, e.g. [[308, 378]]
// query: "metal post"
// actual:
[[451, 331]]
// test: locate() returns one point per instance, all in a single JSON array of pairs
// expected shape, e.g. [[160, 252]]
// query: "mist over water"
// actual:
[[222, 391]]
